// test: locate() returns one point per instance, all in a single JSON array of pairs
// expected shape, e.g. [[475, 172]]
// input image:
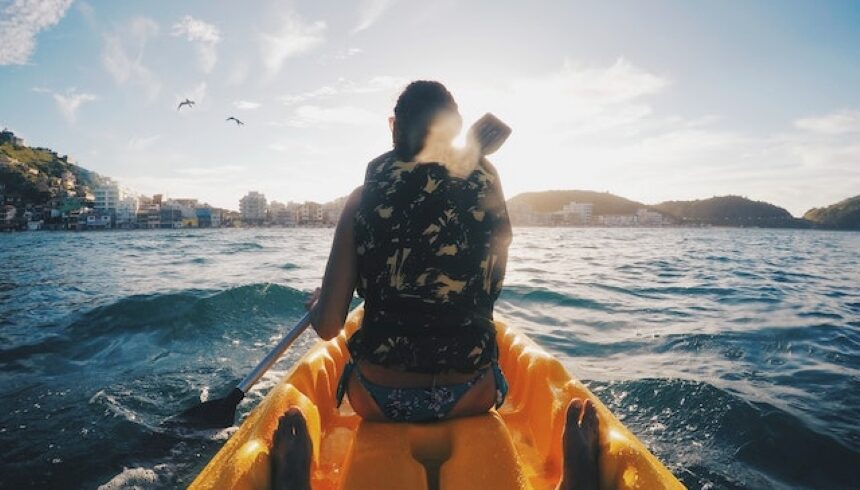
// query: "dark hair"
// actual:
[[418, 105]]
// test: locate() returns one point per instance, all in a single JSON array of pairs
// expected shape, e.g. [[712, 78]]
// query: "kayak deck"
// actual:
[[517, 447]]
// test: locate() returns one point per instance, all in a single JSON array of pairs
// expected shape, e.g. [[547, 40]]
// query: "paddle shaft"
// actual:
[[275, 354]]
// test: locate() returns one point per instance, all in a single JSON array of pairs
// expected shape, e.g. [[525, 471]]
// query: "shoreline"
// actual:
[[332, 226]]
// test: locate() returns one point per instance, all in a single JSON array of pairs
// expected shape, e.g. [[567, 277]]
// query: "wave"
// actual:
[[523, 294], [718, 439], [137, 478], [191, 315], [244, 247]]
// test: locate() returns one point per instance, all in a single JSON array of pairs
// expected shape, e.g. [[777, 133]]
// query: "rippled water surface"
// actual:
[[733, 354]]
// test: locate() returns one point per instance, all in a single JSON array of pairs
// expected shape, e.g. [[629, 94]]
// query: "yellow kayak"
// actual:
[[517, 447]]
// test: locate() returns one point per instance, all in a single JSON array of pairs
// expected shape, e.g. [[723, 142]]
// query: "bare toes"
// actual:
[[574, 411], [291, 452], [590, 424]]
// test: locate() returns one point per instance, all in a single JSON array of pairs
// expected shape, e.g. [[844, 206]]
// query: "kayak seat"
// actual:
[[434, 456]]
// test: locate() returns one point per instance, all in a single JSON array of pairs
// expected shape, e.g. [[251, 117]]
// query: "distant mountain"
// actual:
[[551, 201], [717, 211], [842, 215], [730, 211]]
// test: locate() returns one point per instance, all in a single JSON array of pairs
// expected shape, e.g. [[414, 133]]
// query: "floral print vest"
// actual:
[[432, 251]]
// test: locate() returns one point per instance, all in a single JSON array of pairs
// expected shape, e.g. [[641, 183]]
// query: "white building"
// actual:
[[98, 221], [126, 211], [577, 213], [650, 218], [617, 220], [311, 213], [7, 213], [253, 207], [106, 197], [282, 214]]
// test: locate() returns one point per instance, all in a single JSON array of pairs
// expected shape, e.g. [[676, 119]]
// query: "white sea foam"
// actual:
[[135, 479]]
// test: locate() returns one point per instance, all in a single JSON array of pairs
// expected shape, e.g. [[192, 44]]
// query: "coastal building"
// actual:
[[280, 214], [149, 212], [170, 217], [253, 208], [208, 217], [117, 202], [646, 217], [7, 214], [187, 209], [310, 213], [68, 181], [9, 137], [230, 219], [98, 221], [126, 212], [107, 197], [574, 213], [617, 220]]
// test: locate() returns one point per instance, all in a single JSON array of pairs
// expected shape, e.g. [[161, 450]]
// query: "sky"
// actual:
[[653, 101]]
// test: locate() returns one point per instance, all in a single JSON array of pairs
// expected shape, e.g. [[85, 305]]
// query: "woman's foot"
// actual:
[[291, 453], [581, 447]]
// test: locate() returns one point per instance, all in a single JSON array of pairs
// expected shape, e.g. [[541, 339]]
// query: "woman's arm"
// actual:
[[502, 232], [329, 310]]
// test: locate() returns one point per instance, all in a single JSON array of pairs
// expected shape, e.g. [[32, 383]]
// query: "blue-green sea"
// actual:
[[734, 354]]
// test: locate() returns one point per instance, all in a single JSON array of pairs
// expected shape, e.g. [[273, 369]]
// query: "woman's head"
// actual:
[[424, 109]]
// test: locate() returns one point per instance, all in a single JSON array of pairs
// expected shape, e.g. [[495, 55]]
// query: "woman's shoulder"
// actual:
[[378, 164], [488, 168]]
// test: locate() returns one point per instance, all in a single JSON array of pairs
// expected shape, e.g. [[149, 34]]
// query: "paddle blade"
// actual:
[[211, 414]]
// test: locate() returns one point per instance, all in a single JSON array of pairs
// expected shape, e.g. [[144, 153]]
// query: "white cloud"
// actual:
[[21, 21], [142, 143], [205, 37], [294, 38], [246, 105], [211, 171], [370, 11], [87, 11], [835, 123], [122, 55], [317, 93], [593, 127], [68, 103], [347, 87], [340, 55], [238, 73], [312, 115]]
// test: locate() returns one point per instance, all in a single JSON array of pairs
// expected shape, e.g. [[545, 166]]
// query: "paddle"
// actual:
[[222, 412]]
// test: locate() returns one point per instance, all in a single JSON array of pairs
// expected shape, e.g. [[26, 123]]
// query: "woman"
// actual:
[[424, 241]]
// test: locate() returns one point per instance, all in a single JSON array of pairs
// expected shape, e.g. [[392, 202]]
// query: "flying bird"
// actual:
[[188, 102], [238, 122]]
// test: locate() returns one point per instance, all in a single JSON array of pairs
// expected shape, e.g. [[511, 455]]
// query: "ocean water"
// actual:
[[733, 354]]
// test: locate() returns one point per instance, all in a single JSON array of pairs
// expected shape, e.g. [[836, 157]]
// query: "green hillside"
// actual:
[[843, 215], [729, 211], [29, 175]]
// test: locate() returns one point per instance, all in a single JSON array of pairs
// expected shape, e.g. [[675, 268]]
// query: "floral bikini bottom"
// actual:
[[423, 404]]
